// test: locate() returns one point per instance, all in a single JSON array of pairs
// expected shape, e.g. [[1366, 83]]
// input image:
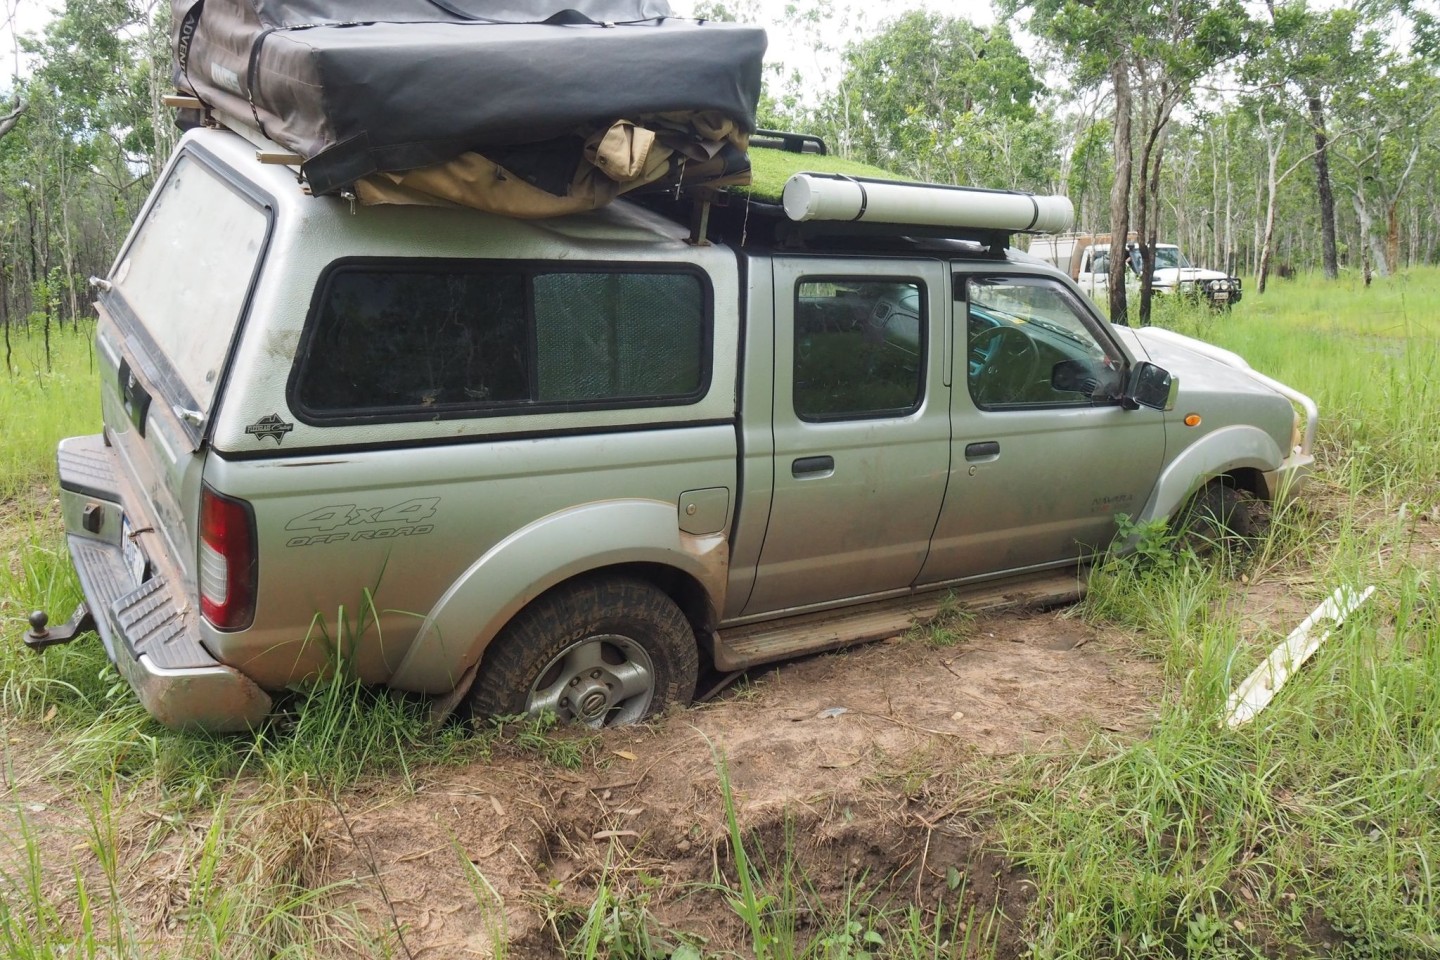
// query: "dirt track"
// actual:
[[850, 793], [863, 765]]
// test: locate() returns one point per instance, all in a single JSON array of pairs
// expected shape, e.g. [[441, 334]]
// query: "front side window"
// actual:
[[408, 342], [1029, 344], [859, 348]]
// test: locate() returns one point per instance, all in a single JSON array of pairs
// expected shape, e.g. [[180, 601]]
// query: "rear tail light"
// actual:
[[229, 566]]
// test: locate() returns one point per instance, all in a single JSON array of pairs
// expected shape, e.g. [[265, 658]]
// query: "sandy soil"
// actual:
[[831, 758]]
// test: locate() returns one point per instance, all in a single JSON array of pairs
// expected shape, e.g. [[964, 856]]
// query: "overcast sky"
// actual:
[[793, 47]]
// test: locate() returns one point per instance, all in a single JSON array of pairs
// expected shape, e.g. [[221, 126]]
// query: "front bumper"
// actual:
[[1220, 292], [149, 628], [1286, 483]]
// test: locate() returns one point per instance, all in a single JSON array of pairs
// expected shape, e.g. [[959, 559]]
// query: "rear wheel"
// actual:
[[601, 652], [1222, 517]]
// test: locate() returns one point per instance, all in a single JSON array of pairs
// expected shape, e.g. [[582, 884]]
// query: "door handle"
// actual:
[[812, 467], [986, 450]]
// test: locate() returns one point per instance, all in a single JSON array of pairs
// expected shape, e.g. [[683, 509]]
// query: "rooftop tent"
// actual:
[[530, 87]]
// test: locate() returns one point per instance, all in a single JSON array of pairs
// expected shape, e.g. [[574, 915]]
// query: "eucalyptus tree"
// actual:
[[1306, 55], [1152, 53], [945, 100], [79, 160], [1393, 115]]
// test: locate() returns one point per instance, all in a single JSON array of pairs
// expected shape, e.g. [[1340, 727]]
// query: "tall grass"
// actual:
[[39, 406], [1370, 357], [1315, 828]]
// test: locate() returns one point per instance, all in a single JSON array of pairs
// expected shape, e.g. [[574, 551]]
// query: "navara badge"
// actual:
[[271, 426]]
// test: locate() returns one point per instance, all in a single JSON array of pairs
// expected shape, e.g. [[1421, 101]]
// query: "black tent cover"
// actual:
[[365, 86]]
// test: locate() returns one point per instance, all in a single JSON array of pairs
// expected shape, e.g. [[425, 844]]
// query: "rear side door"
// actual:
[[1043, 458], [861, 428]]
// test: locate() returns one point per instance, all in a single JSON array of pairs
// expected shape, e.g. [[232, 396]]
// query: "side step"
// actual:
[[738, 648]]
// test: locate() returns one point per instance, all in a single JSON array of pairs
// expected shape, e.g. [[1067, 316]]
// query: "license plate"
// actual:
[[130, 551]]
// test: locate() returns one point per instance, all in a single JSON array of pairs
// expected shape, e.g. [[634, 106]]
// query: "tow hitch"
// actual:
[[38, 637]]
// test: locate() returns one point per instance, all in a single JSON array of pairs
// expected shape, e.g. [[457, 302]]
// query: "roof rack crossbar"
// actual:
[[789, 142]]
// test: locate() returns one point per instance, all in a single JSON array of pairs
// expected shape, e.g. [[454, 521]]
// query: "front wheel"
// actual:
[[601, 652], [1222, 517]]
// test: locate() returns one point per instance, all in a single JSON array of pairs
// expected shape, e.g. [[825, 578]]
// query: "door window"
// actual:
[[1029, 344], [859, 348]]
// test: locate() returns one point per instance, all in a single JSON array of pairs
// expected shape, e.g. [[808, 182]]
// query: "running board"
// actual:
[[738, 648]]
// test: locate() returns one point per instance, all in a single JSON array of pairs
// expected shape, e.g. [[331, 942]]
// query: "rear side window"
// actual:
[[859, 348], [416, 341], [186, 275]]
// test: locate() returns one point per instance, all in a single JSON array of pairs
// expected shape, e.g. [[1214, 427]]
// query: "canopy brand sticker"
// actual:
[[271, 426]]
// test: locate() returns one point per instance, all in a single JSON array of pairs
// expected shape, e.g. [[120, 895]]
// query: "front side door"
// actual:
[[1043, 457], [861, 428]]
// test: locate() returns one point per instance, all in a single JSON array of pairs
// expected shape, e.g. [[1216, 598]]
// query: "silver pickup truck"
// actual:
[[559, 465]]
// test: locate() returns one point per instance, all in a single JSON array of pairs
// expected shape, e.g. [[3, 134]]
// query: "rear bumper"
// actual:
[[149, 628]]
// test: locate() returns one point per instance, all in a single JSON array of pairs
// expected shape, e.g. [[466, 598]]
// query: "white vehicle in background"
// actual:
[[1086, 258]]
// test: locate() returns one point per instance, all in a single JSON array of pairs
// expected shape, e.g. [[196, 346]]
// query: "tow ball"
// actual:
[[40, 636]]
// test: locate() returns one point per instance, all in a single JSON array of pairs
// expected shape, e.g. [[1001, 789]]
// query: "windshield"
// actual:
[[1167, 257]]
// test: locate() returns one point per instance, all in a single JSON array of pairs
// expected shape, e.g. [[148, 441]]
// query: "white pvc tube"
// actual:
[[808, 197]]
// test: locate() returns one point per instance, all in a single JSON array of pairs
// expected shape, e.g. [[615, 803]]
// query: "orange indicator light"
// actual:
[[1192, 420]]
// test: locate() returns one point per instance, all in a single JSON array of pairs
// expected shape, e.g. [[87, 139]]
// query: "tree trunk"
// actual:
[[1322, 186], [1214, 199], [1120, 192], [1267, 248], [1272, 187], [1369, 243], [1392, 235], [1148, 227]]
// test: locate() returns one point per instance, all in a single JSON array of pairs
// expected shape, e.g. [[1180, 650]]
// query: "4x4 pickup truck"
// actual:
[[560, 462], [1086, 259]]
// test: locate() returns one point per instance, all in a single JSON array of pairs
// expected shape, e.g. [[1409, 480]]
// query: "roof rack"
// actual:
[[743, 221], [789, 142]]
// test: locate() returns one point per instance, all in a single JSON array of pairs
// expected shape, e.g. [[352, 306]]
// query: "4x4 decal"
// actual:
[[377, 523]]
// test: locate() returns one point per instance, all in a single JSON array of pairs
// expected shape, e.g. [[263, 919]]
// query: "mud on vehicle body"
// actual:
[[573, 459]]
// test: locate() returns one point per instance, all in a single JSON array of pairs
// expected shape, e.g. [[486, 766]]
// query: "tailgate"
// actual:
[[169, 314]]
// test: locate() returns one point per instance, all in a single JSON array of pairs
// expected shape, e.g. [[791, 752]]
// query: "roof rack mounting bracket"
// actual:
[[703, 198]]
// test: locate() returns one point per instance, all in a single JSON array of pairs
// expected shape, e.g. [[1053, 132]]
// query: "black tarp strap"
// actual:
[[252, 80], [189, 26]]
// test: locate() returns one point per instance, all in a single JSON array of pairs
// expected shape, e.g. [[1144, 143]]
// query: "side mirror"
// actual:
[[1149, 386]]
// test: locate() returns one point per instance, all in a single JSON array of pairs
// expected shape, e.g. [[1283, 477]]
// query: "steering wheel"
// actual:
[[1003, 364]]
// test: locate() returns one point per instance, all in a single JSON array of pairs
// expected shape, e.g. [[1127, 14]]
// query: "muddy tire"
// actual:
[[1222, 517], [600, 652]]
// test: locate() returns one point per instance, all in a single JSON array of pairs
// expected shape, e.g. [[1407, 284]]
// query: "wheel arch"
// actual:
[[1240, 456], [635, 538]]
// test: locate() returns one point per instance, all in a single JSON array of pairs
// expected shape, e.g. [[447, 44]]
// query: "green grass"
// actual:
[[39, 406], [1314, 828], [769, 169]]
